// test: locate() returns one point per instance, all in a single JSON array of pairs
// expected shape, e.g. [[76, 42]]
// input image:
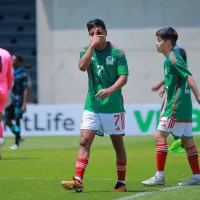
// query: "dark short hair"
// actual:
[[168, 34], [19, 58], [94, 23]]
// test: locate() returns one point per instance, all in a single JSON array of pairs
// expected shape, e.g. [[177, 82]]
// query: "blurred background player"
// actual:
[[176, 117], [108, 72], [18, 100], [6, 80], [177, 146]]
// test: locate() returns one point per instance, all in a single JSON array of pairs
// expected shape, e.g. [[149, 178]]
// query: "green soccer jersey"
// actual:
[[179, 103], [105, 68]]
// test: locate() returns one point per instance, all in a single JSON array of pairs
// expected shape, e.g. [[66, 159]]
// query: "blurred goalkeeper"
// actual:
[[6, 79]]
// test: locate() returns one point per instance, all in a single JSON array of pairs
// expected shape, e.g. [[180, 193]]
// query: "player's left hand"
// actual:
[[102, 94], [155, 88], [23, 108], [162, 92]]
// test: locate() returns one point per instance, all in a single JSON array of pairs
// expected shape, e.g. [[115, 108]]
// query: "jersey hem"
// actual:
[[90, 110]]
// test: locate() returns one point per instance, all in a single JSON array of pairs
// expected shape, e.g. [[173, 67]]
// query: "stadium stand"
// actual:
[[18, 33]]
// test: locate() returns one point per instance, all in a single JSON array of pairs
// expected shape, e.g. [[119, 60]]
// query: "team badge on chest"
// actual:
[[109, 60]]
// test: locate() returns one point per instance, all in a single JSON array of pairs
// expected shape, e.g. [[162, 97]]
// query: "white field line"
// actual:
[[141, 194], [90, 179]]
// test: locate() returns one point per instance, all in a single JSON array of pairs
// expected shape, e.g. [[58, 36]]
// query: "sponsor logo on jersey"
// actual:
[[109, 60]]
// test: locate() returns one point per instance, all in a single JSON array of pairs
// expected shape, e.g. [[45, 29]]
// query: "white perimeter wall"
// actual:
[[131, 24]]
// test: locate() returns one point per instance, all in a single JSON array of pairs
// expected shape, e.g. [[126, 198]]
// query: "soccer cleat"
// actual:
[[191, 181], [14, 147], [176, 144], [119, 187], [74, 184], [155, 180], [178, 150]]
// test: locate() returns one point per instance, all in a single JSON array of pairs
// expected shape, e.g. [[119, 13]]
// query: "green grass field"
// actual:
[[34, 172]]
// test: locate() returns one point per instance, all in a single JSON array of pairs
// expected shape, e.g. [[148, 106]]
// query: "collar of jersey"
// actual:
[[107, 46], [176, 47]]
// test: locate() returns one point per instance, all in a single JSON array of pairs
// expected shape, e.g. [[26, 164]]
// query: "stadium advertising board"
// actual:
[[46, 120]]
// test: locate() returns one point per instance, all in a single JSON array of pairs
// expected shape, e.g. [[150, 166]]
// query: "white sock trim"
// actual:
[[160, 173], [78, 178], [197, 176], [124, 182]]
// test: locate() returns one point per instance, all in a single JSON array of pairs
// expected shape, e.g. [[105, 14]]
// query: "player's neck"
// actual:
[[102, 47], [167, 52]]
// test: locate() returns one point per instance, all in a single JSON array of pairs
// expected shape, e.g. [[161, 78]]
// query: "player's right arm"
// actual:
[[193, 86], [86, 56], [85, 60]]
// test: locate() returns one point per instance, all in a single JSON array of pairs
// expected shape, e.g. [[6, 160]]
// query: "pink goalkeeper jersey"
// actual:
[[6, 73]]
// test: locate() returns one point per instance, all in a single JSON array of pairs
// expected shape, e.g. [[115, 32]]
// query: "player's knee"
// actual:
[[159, 139], [84, 142], [187, 142]]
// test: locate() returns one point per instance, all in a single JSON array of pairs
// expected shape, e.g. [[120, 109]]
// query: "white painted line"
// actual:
[[148, 192], [90, 179], [50, 179]]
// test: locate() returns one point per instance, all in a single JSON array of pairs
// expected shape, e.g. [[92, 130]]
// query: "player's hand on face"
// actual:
[[102, 94], [96, 39], [23, 108]]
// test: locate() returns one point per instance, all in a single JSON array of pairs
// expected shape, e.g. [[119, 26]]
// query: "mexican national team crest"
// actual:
[[109, 60]]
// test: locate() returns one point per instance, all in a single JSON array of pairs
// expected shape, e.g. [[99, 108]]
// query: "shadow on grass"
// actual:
[[107, 191]]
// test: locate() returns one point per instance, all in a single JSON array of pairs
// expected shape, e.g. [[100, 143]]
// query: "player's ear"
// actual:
[[168, 42]]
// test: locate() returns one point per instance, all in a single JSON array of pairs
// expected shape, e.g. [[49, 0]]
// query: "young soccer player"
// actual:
[[107, 70], [18, 100], [176, 117], [6, 80], [177, 146]]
